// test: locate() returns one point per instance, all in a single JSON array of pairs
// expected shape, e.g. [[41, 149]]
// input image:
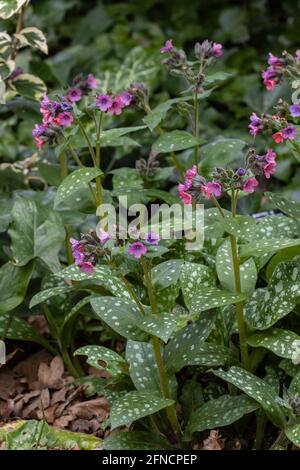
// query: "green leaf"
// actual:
[[220, 412], [66, 331], [33, 37], [165, 299], [114, 363], [121, 315], [257, 389], [161, 325], [102, 275], [18, 329], [268, 305], [220, 153], [211, 297], [277, 340], [109, 137], [36, 232], [271, 245], [74, 181], [224, 267], [159, 113], [291, 208], [278, 226], [14, 281], [9, 7], [30, 86], [136, 440], [174, 141], [292, 432], [241, 226], [46, 294], [167, 273], [193, 279], [142, 366], [136, 405]]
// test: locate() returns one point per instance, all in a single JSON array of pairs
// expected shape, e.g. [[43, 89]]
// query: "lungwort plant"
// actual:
[[190, 340]]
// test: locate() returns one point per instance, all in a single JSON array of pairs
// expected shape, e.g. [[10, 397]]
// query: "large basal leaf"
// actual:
[[193, 279], [74, 181], [136, 405], [291, 208], [277, 340], [211, 297], [241, 226], [278, 226], [293, 433], [46, 294], [114, 363], [121, 315], [220, 153], [142, 366], [257, 389], [36, 232], [13, 285], [268, 305], [102, 275], [9, 7], [261, 247], [224, 267], [18, 329], [167, 273], [33, 37], [187, 347], [136, 440], [220, 412], [30, 86], [175, 141]]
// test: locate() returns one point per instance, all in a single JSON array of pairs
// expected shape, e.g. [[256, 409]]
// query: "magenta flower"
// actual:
[[38, 130], [211, 189], [275, 61], [249, 185], [77, 251], [269, 73], [269, 169], [125, 97], [191, 172], [45, 103], [217, 49], [39, 143], [294, 109], [74, 95], [103, 236], [152, 238], [104, 102], [298, 55], [116, 107], [65, 119], [270, 156], [186, 197], [269, 84], [137, 249], [91, 81], [254, 126], [167, 47], [87, 267], [289, 132]]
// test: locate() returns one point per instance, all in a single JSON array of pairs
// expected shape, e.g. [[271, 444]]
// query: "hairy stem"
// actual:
[[63, 173], [196, 127], [99, 189]]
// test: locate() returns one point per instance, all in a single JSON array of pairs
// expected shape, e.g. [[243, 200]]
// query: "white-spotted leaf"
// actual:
[[174, 141], [271, 245], [167, 273], [277, 340], [115, 364], [74, 181]]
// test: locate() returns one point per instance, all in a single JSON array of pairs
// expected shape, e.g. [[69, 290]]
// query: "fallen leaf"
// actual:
[[213, 441]]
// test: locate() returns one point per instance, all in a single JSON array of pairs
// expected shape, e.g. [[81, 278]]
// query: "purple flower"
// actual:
[[152, 238], [249, 185], [91, 82], [269, 73], [212, 188], [241, 171], [103, 236], [38, 130], [275, 61], [167, 47], [137, 249], [104, 102], [65, 119], [125, 97], [269, 169], [298, 55], [74, 95], [254, 130], [65, 106], [56, 106], [289, 132], [294, 109], [77, 251], [270, 156], [87, 267], [116, 106], [217, 49], [255, 120], [45, 102]]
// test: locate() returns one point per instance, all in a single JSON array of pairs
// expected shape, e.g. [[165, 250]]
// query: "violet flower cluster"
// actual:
[[139, 247], [278, 122], [280, 67], [114, 105], [87, 251]]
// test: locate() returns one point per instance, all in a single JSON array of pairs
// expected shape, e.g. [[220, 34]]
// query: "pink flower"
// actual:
[[186, 197], [91, 81], [278, 137], [65, 119], [270, 156], [275, 61], [116, 107], [103, 236], [253, 130], [217, 49], [269, 169], [104, 102], [168, 46], [47, 117], [249, 185], [298, 55], [289, 132], [137, 249], [125, 97], [45, 103], [152, 238], [74, 95], [269, 84], [211, 189], [39, 142], [87, 267], [191, 172]]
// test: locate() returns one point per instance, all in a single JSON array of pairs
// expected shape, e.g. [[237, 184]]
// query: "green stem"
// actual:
[[163, 377], [68, 230], [261, 422], [237, 281], [19, 28], [99, 189], [196, 128], [87, 139]]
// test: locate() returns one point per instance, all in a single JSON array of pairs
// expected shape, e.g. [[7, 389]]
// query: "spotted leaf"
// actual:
[[74, 181], [271, 245], [277, 340], [114, 363], [167, 273], [174, 141], [289, 207]]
